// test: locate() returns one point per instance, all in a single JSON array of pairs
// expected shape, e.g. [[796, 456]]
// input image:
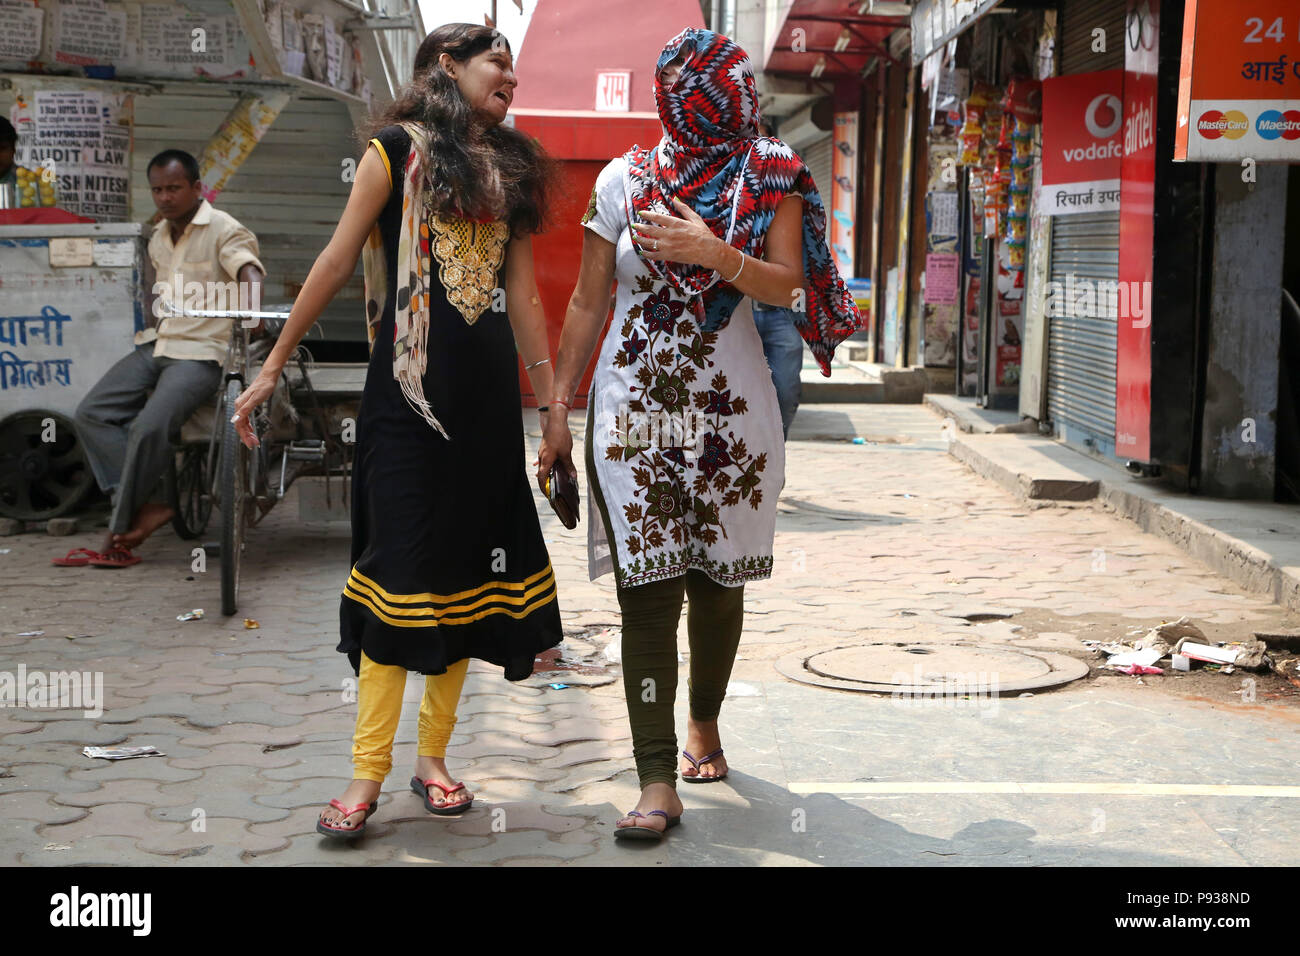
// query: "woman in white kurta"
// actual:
[[684, 426], [685, 454]]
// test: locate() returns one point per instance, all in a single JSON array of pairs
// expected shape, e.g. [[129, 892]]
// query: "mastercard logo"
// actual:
[[1274, 124], [1232, 124]]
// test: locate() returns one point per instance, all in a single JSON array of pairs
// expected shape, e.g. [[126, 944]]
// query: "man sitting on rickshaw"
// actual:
[[203, 259]]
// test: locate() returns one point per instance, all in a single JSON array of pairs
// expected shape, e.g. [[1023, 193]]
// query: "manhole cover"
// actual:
[[913, 668]]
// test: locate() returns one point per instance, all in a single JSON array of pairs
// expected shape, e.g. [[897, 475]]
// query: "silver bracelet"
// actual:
[[741, 269], [528, 368]]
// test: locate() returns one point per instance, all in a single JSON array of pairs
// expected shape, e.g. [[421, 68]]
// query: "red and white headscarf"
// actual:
[[712, 158]]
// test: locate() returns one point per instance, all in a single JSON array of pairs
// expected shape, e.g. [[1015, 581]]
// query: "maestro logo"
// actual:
[[1274, 123], [1104, 115], [1232, 124]]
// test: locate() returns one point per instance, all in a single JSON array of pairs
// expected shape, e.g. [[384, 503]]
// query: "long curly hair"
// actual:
[[473, 168]]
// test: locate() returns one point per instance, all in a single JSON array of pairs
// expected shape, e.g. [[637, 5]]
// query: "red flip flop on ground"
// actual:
[[445, 810], [77, 558], [116, 558]]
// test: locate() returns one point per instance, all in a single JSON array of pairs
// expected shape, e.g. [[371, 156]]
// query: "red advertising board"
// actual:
[[1083, 118], [1136, 233], [1239, 81]]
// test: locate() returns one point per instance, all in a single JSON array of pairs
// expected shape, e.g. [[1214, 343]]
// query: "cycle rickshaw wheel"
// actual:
[[43, 467], [189, 491], [234, 492]]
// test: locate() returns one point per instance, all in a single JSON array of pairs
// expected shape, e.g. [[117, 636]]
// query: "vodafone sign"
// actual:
[[1083, 142]]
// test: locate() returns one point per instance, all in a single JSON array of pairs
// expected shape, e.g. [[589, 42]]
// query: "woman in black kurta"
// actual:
[[448, 560], [455, 519]]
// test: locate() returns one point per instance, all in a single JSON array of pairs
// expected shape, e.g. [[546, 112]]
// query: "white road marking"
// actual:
[[974, 787]]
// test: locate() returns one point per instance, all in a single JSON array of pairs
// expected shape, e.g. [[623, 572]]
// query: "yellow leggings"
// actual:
[[379, 707]]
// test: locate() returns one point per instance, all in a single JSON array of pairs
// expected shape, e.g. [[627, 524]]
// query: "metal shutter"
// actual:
[[818, 157], [1081, 351], [1078, 19], [1081, 356]]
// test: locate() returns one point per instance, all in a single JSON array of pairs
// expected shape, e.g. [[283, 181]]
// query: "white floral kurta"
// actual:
[[683, 427]]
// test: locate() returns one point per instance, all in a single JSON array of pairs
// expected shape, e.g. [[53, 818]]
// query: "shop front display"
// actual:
[[1082, 147]]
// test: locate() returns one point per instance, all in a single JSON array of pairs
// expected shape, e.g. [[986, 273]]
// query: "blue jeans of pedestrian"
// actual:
[[783, 348]]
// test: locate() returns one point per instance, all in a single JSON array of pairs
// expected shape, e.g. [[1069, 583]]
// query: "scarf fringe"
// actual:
[[414, 393]]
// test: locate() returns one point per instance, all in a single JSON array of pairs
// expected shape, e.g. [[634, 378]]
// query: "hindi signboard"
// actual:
[[1239, 82], [1083, 133]]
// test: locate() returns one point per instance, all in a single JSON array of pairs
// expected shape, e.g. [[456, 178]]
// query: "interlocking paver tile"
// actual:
[[226, 840], [90, 851], [37, 805], [109, 819], [515, 815], [578, 730], [525, 843]]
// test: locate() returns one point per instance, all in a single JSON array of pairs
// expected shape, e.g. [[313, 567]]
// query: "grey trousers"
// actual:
[[128, 433]]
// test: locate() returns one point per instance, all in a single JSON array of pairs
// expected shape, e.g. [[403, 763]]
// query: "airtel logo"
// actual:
[[1095, 116]]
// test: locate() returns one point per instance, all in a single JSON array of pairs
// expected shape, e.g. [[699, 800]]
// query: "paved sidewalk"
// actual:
[[1254, 543], [892, 538]]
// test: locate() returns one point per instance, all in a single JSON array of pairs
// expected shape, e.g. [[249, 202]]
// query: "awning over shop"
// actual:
[[832, 39], [935, 22]]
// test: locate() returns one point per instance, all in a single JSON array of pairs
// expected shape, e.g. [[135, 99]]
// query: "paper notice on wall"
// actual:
[[941, 278], [943, 214], [172, 36], [86, 33], [275, 25], [292, 60], [316, 65], [239, 132], [358, 82], [86, 137], [333, 54], [20, 30]]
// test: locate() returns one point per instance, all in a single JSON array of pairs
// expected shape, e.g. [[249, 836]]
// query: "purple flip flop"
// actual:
[[646, 833], [700, 778]]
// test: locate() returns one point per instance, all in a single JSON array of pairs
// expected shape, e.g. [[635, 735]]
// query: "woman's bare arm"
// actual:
[[585, 317], [330, 273], [527, 317]]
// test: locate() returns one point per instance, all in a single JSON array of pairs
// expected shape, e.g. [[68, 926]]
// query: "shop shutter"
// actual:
[[1079, 18], [1081, 351], [290, 192], [818, 158], [1081, 356]]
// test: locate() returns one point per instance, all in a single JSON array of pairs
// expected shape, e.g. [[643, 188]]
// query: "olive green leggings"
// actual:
[[714, 617]]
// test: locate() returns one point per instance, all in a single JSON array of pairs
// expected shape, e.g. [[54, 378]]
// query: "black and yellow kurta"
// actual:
[[448, 560]]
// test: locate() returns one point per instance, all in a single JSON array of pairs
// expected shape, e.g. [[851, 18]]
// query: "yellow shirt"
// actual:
[[210, 252]]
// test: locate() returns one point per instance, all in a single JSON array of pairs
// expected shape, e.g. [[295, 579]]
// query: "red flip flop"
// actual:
[[115, 558], [347, 833], [77, 558], [455, 810]]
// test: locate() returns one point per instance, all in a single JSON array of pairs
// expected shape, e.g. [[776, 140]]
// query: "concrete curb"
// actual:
[[1251, 567], [1040, 469], [1056, 488]]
